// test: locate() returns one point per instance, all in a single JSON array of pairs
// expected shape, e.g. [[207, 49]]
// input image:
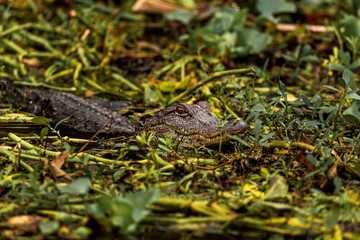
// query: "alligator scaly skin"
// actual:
[[86, 115]]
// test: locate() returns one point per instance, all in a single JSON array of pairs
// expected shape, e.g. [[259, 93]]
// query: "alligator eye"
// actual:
[[181, 111]]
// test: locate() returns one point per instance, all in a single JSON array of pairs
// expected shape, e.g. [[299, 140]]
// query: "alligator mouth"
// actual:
[[215, 136]]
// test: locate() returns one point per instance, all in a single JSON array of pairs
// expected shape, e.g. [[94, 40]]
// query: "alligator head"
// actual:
[[193, 125]]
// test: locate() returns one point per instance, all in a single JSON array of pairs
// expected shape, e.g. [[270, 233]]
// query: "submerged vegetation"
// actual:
[[289, 68]]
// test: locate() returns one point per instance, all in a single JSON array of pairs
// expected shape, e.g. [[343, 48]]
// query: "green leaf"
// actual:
[[349, 25], [238, 139], [79, 186], [82, 232], [342, 83], [297, 52], [346, 76], [288, 58], [305, 100], [41, 120], [151, 96], [181, 15], [332, 217], [354, 96], [167, 86], [254, 40], [310, 59], [48, 227], [332, 88], [282, 88], [345, 57], [352, 113], [264, 139], [316, 101], [43, 133], [311, 159], [336, 67], [140, 200], [257, 129], [269, 8], [61, 121], [222, 20], [355, 64]]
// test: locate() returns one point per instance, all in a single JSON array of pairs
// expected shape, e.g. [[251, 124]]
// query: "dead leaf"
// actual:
[[55, 166], [155, 6], [25, 223], [59, 160], [30, 62], [144, 44], [278, 188]]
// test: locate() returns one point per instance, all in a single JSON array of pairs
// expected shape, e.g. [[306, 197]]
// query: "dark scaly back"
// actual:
[[86, 115], [28, 101]]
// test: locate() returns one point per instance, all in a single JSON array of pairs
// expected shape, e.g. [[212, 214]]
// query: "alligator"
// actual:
[[193, 125]]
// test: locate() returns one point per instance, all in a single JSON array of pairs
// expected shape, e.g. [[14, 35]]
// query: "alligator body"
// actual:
[[85, 115], [193, 125]]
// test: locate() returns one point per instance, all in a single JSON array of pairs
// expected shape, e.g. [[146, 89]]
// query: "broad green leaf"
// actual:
[[222, 20], [357, 168], [336, 67], [120, 212], [345, 57], [140, 200], [349, 25], [311, 159], [297, 52], [305, 100], [288, 58], [254, 40], [264, 139], [354, 96], [249, 93], [269, 8], [316, 101], [332, 217], [151, 96], [43, 133], [355, 64], [346, 76], [310, 58], [167, 86], [332, 88], [48, 227], [79, 186], [238, 139], [342, 83], [82, 231], [352, 113], [278, 188], [181, 15], [41, 120], [141, 140], [306, 50]]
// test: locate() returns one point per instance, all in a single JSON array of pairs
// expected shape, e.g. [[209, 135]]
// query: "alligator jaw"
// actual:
[[193, 125], [232, 127]]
